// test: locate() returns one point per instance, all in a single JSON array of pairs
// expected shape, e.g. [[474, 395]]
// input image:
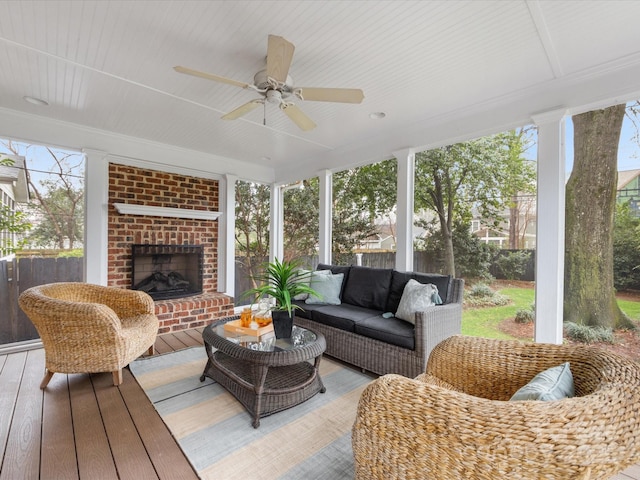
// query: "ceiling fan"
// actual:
[[276, 86]]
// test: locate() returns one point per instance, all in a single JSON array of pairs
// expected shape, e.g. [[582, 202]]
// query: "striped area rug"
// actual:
[[309, 441]]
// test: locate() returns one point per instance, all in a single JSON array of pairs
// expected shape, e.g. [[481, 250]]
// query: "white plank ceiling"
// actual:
[[439, 70]]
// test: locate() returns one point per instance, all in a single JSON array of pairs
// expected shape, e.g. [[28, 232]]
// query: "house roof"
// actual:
[[442, 71], [625, 176], [15, 177]]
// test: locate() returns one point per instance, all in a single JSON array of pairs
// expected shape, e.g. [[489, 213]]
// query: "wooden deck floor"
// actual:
[[84, 428]]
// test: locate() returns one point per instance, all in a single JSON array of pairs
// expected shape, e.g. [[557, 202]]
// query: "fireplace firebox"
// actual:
[[167, 271]]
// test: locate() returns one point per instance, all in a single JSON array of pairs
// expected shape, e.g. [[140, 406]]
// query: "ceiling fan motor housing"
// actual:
[[262, 82]]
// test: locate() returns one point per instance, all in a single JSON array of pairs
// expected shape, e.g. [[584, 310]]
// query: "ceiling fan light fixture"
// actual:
[[274, 96]]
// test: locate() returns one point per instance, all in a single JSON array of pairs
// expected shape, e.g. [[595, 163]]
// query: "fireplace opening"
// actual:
[[167, 271]]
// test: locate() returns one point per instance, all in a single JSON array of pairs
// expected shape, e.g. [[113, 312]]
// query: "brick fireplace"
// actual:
[[137, 186]]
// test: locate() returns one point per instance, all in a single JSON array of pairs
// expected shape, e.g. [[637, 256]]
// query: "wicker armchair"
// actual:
[[455, 422], [90, 328]]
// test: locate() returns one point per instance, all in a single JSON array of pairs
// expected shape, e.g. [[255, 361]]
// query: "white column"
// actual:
[[550, 227], [326, 216], [226, 236], [96, 188], [404, 220], [276, 249]]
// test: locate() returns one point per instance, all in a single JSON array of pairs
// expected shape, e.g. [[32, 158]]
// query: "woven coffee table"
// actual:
[[266, 375]]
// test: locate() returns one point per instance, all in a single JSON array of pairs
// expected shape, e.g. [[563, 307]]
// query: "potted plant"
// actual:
[[282, 281]]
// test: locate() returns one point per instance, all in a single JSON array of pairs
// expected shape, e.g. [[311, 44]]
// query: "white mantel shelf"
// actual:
[[134, 209]]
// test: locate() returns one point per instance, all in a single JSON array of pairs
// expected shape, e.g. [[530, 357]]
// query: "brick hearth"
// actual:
[[139, 186]]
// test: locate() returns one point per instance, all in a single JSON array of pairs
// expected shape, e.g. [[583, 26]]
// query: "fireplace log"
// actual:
[[159, 282]]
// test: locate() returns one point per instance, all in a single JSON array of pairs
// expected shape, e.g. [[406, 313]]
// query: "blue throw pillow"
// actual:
[[553, 384], [328, 289]]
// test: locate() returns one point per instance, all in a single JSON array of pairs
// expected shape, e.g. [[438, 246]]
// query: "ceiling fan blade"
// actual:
[[342, 95], [298, 116], [242, 110], [279, 56], [210, 76]]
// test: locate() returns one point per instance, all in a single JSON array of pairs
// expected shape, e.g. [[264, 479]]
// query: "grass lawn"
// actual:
[[483, 322]]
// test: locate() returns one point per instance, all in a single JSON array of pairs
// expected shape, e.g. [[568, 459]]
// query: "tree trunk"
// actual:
[[447, 241], [589, 295], [514, 227]]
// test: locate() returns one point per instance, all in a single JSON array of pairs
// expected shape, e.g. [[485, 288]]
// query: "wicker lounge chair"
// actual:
[[90, 328], [455, 421]]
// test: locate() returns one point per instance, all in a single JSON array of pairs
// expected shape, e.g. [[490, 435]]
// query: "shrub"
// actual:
[[525, 316], [587, 334], [481, 290], [626, 249], [481, 295], [513, 265]]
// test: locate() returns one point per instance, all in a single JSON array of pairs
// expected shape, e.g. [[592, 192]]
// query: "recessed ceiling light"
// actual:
[[35, 101], [377, 115]]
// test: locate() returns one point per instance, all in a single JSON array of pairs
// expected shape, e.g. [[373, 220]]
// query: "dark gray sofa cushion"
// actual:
[[367, 287], [307, 309], [389, 330], [400, 279], [344, 316]]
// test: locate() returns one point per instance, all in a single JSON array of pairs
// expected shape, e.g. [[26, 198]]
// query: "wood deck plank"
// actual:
[[187, 339], [92, 445], [58, 455], [22, 455], [196, 335], [10, 378], [174, 342], [128, 451], [165, 454], [161, 346]]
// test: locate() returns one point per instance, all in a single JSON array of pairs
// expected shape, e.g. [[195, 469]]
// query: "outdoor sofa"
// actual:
[[363, 329]]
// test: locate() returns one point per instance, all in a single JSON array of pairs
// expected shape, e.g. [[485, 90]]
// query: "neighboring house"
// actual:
[[629, 189], [382, 240], [525, 227], [13, 190]]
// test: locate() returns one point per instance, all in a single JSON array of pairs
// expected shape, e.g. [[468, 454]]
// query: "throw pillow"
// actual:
[[416, 297], [554, 383], [306, 280], [328, 289]]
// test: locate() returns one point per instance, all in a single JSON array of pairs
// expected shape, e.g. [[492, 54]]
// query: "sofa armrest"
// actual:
[[435, 324]]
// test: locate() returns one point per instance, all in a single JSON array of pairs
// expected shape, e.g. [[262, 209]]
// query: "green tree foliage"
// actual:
[[473, 256], [62, 208], [252, 225], [626, 249], [483, 174], [301, 220], [360, 196]]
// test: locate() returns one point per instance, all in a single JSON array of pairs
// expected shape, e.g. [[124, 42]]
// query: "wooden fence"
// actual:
[[16, 276], [19, 274]]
